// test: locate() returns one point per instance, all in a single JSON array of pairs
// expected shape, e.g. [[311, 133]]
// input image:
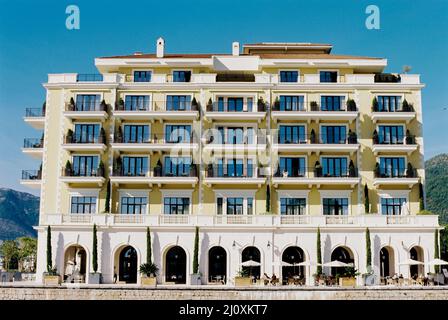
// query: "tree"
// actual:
[[27, 251], [319, 253], [268, 199], [148, 246], [421, 197], [366, 199], [368, 251], [10, 252], [107, 205], [436, 249], [444, 243], [49, 251], [196, 252], [95, 250]]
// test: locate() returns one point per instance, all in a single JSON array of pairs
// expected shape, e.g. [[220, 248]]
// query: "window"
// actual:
[[81, 205], [86, 133], [334, 166], [178, 133], [292, 206], [390, 134], [135, 166], [177, 166], [133, 205], [289, 76], [293, 167], [391, 206], [333, 134], [85, 166], [219, 205], [136, 133], [328, 76], [389, 103], [176, 205], [392, 167], [335, 206], [292, 134], [233, 104], [178, 103], [87, 102], [235, 206], [136, 103], [181, 76], [292, 103], [142, 76], [332, 103], [236, 135], [250, 206]]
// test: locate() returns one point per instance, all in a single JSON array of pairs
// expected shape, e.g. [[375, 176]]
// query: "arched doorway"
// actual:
[[342, 254], [290, 270], [251, 255], [127, 265], [387, 264], [416, 253], [217, 265], [176, 265], [75, 264]]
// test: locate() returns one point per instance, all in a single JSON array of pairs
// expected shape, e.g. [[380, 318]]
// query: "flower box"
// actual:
[[149, 281], [52, 280], [347, 282], [243, 281]]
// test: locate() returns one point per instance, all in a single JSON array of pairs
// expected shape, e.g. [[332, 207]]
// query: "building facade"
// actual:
[[258, 149]]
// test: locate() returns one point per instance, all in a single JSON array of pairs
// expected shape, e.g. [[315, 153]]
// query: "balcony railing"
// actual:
[[158, 171], [99, 172], [246, 140], [34, 112], [89, 77], [223, 171], [86, 107], [74, 139], [31, 174], [157, 138], [350, 138], [33, 143], [231, 107], [313, 107], [387, 78], [394, 140], [317, 172], [396, 173], [158, 106]]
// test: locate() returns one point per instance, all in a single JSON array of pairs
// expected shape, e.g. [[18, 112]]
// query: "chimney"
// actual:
[[235, 48], [160, 47]]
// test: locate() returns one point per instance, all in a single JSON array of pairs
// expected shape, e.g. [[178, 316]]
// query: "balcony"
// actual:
[[317, 176], [33, 147], [402, 112], [95, 176], [217, 111], [221, 175], [156, 142], [313, 111], [75, 143], [394, 177], [35, 117], [157, 110], [157, 176], [31, 178], [315, 143], [89, 77], [394, 144], [86, 111], [240, 146]]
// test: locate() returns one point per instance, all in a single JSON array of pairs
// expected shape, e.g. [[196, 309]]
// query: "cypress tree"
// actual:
[[421, 202], [107, 205], [366, 199], [94, 250], [148, 246], [49, 258], [319, 253], [268, 199], [196, 252], [368, 251], [436, 249]]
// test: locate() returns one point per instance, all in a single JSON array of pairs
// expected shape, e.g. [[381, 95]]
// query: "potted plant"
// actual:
[[410, 171], [118, 166], [375, 105], [313, 136], [405, 106], [351, 105], [44, 108], [377, 170], [101, 171], [195, 277], [120, 104], [158, 169], [261, 105], [366, 199], [276, 104], [51, 277], [409, 138], [348, 277], [210, 105], [314, 106], [242, 279], [375, 137], [351, 169], [103, 137], [149, 273], [69, 138], [119, 135], [95, 276], [71, 105], [103, 106], [210, 170], [352, 137], [193, 170], [317, 169], [68, 169], [194, 104]]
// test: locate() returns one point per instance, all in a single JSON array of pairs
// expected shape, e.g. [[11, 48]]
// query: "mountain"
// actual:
[[19, 212], [437, 186]]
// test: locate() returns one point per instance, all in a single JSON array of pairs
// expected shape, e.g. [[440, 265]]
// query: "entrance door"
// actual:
[[128, 265]]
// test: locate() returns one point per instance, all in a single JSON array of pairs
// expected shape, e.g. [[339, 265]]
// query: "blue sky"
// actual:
[[34, 42]]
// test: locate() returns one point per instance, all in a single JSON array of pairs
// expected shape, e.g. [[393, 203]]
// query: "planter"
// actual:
[[369, 280], [52, 280], [347, 282], [195, 279], [94, 278], [243, 281], [149, 281]]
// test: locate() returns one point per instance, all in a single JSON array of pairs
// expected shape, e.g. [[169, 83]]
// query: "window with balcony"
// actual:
[[335, 206], [136, 133], [83, 205], [392, 167], [332, 103], [87, 102], [292, 167], [178, 133], [142, 76], [86, 133], [333, 134], [291, 134], [135, 166], [181, 76], [231, 205], [292, 206], [136, 103], [389, 103], [178, 103], [85, 166], [289, 76], [235, 206], [233, 104], [133, 205], [177, 166], [234, 168], [392, 206], [176, 205], [328, 76], [292, 103], [334, 167], [236, 135], [390, 134]]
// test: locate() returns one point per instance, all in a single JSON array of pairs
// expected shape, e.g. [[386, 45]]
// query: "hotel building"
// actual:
[[258, 148]]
